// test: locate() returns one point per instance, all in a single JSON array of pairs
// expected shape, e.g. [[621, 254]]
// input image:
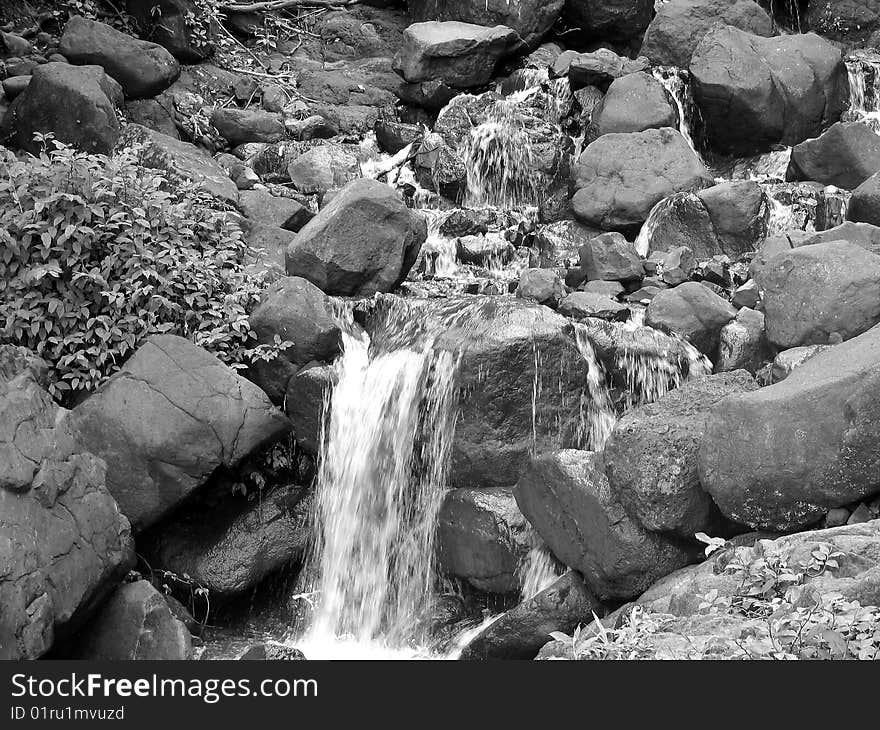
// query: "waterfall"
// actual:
[[438, 250], [539, 569], [863, 68], [805, 207], [383, 460], [659, 213], [600, 415], [676, 81]]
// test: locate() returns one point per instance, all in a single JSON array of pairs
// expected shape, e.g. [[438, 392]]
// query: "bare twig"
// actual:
[[270, 5]]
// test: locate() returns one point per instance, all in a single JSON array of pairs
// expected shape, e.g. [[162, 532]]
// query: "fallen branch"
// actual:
[[270, 5]]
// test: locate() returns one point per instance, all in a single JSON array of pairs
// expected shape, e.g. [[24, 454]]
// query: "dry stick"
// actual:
[[282, 4]]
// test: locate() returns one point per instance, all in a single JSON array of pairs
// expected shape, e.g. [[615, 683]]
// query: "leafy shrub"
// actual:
[[98, 253]]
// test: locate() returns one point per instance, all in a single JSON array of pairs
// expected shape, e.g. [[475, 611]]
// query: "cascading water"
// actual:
[[863, 68], [676, 81], [539, 569], [388, 435]]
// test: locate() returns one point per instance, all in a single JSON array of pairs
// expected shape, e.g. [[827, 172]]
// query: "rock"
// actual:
[[523, 630], [746, 295], [274, 210], [609, 257], [438, 168], [313, 127], [304, 403], [845, 155], [77, 104], [634, 103], [566, 497], [392, 137], [611, 289], [482, 538], [12, 87], [853, 21], [273, 98], [738, 211], [63, 541], [820, 294], [365, 241], [651, 456], [861, 234], [693, 312], [608, 20], [531, 19], [864, 205], [780, 457], [239, 126], [272, 651], [541, 285], [430, 95], [597, 69], [620, 177], [750, 79], [167, 420], [676, 265], [743, 345], [14, 45], [680, 25], [175, 25], [484, 250], [580, 304], [461, 223], [461, 55], [156, 114], [135, 623], [295, 311], [143, 69], [788, 360], [323, 168], [178, 159], [241, 544]]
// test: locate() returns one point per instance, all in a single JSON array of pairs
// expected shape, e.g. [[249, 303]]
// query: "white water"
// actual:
[[863, 68], [677, 83]]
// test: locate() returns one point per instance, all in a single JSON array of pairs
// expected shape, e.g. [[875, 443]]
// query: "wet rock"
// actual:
[[680, 25], [392, 137], [143, 69], [389, 238], [242, 543], [820, 294], [63, 541], [743, 344], [166, 420], [750, 79], [860, 234], [634, 103], [604, 20], [597, 69], [439, 168], [430, 95], [780, 457], [580, 304], [651, 456], [524, 629], [853, 21], [77, 104], [272, 651], [313, 127], [566, 497], [239, 126], [482, 537], [788, 360], [693, 312], [175, 25], [295, 311], [864, 206], [323, 168], [461, 55], [467, 223], [610, 257], [620, 177], [541, 285], [531, 19], [178, 159], [845, 155], [304, 400], [738, 211], [274, 210], [135, 624], [676, 265]]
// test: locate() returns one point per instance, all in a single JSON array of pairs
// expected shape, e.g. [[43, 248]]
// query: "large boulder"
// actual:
[[364, 241], [136, 623], [779, 457], [167, 420], [738, 211], [691, 311], [175, 25], [241, 544], [323, 168], [296, 312], [608, 20], [752, 96], [531, 19], [239, 126], [845, 155], [143, 69], [820, 294], [567, 498], [482, 538], [461, 55], [861, 234], [651, 456], [523, 630], [864, 206], [850, 21], [77, 104], [304, 403], [680, 25], [620, 177], [178, 159], [63, 541], [610, 257], [634, 103]]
